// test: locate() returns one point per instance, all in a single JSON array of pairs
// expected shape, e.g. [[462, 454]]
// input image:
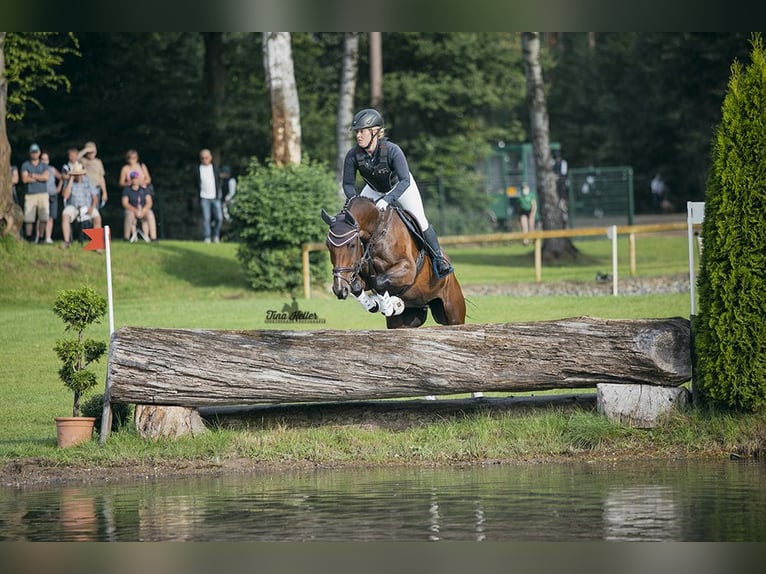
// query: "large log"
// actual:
[[201, 367]]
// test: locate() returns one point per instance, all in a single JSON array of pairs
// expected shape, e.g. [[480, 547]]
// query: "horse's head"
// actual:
[[346, 251]]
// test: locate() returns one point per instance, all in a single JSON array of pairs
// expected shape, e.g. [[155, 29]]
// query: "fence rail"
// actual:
[[538, 236]]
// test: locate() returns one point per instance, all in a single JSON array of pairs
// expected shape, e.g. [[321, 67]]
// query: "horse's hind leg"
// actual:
[[410, 318], [449, 309]]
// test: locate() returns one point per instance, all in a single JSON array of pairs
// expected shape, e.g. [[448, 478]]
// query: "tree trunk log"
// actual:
[[170, 422], [198, 367]]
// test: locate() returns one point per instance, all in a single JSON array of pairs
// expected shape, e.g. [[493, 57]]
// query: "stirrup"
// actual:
[[442, 267]]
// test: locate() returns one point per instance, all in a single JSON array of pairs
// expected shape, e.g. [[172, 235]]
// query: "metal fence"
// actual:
[[600, 196]]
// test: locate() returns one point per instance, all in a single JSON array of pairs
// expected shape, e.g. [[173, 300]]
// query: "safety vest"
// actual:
[[380, 173]]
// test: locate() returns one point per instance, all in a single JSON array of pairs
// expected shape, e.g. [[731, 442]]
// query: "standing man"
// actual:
[[35, 174], [95, 168], [658, 192], [210, 192]]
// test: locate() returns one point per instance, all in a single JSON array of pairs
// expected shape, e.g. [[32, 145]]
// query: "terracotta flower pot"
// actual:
[[72, 431]]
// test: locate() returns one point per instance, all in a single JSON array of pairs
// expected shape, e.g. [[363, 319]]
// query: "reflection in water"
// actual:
[[643, 512], [697, 501], [78, 515], [433, 518]]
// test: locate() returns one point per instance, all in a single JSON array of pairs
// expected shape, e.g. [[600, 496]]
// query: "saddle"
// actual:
[[412, 225]]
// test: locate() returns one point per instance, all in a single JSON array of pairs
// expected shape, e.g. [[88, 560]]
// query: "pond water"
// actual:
[[653, 501]]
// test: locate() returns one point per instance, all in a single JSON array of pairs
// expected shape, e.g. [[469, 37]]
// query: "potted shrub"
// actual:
[[78, 308]]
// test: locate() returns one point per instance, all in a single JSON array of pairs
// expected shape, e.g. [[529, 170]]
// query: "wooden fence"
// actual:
[[537, 236]]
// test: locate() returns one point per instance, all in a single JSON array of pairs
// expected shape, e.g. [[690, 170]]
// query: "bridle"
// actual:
[[364, 250]]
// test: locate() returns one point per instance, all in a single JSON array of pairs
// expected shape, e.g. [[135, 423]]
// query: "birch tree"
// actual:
[[376, 70], [348, 78], [552, 216], [285, 108], [215, 89], [11, 216]]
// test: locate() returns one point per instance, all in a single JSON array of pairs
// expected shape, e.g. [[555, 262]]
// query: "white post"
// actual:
[[612, 234], [106, 411], [110, 302], [695, 214]]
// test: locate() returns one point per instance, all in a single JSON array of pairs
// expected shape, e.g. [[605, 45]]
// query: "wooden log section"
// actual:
[[200, 367]]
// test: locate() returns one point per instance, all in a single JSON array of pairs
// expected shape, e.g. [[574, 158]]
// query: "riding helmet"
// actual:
[[366, 118]]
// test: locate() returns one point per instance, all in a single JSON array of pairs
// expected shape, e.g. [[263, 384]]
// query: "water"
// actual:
[[668, 501]]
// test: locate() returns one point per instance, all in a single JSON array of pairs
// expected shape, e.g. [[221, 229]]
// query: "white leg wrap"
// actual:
[[369, 303], [389, 305]]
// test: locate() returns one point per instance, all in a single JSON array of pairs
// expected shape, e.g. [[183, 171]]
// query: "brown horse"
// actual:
[[376, 259]]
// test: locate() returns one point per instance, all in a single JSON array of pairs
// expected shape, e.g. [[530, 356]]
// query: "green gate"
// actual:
[[508, 168]]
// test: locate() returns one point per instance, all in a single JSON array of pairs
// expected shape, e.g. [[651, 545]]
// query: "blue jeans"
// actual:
[[212, 216]]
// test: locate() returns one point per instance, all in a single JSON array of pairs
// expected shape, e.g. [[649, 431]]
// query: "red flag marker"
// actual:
[[96, 238]]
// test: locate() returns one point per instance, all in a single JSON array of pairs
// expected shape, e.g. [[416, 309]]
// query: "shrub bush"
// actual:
[[94, 407], [276, 211], [730, 331]]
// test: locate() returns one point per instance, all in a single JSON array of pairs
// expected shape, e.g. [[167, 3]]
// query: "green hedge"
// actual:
[[277, 209], [730, 329]]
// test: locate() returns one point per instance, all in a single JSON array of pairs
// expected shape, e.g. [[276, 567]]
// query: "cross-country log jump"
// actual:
[[200, 367]]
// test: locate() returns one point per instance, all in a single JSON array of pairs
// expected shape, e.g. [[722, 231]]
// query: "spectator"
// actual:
[[210, 192], [137, 202], [71, 155], [81, 200], [35, 174], [14, 183], [560, 168], [54, 189], [658, 192], [95, 168], [133, 163], [527, 211], [229, 187]]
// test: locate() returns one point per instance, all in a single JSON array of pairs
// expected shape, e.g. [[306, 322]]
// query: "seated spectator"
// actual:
[[133, 163], [138, 202], [81, 200]]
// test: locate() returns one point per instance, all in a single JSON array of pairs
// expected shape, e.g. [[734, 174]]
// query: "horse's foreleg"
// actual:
[[389, 305], [369, 302], [398, 275]]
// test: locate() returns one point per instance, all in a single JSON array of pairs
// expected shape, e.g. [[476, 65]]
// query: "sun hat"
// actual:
[[134, 174], [77, 169]]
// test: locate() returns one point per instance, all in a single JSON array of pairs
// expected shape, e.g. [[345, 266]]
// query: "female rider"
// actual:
[[383, 166]]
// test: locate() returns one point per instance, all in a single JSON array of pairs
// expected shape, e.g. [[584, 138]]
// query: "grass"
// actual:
[[194, 285]]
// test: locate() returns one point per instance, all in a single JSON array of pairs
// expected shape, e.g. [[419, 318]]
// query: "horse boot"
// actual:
[[442, 267]]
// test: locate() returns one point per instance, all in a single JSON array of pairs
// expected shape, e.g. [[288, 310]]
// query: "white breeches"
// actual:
[[410, 201]]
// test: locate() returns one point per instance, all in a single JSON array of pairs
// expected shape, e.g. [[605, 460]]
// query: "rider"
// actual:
[[383, 166]]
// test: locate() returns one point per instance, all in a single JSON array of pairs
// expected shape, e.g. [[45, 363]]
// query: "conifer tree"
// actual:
[[730, 330]]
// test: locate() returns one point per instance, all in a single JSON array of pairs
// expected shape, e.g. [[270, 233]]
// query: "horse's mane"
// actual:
[[357, 198]]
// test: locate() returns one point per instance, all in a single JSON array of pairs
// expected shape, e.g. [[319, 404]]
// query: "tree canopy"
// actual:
[[649, 100]]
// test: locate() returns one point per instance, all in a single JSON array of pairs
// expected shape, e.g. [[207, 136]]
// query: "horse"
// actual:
[[378, 260]]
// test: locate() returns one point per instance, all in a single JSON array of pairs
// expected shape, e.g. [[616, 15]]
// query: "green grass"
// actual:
[[193, 285]]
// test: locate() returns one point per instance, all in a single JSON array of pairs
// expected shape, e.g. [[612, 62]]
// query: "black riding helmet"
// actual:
[[367, 118]]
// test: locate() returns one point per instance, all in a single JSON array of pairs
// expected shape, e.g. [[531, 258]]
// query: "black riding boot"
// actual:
[[442, 267]]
